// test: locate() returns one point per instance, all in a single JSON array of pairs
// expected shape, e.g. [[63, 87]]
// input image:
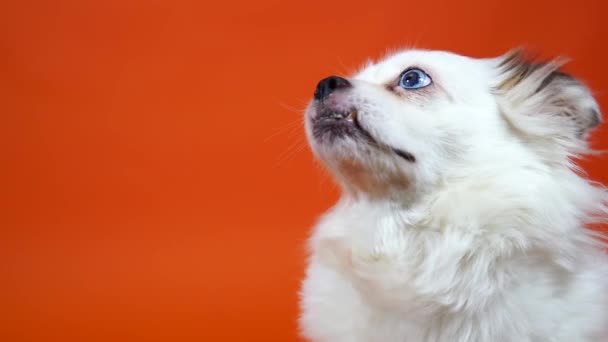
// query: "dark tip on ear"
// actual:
[[516, 66], [511, 56], [596, 119], [555, 75]]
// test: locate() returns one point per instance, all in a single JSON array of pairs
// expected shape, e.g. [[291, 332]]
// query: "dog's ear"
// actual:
[[541, 101]]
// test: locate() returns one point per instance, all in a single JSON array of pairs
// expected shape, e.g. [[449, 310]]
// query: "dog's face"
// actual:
[[405, 124]]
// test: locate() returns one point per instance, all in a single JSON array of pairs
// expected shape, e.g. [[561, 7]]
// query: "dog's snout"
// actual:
[[328, 85]]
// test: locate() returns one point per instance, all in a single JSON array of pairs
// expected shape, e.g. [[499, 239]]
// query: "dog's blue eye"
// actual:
[[414, 79]]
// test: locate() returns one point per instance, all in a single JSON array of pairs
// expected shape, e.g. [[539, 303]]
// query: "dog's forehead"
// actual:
[[440, 63]]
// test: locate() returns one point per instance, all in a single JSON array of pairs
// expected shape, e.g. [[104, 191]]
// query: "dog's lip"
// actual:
[[336, 115], [404, 154], [352, 118]]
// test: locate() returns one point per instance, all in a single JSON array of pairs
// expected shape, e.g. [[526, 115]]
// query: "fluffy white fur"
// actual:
[[482, 237]]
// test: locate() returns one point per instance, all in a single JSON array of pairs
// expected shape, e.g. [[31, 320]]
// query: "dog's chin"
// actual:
[[366, 170], [335, 137], [357, 160]]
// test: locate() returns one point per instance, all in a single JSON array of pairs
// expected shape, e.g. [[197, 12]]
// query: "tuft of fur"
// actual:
[[544, 103], [482, 236]]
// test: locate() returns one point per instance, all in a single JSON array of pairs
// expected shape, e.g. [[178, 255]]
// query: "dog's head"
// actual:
[[419, 118]]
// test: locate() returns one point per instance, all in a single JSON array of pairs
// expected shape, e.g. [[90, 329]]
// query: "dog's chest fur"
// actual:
[[375, 274]]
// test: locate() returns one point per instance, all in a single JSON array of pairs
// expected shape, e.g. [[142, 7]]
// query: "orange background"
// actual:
[[155, 182]]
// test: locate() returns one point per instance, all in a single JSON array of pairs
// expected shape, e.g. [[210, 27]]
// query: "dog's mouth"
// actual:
[[330, 125], [352, 118]]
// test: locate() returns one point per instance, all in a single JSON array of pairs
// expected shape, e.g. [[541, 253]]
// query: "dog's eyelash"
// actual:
[[410, 69]]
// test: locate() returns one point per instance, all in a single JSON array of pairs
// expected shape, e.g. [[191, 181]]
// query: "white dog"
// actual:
[[463, 214]]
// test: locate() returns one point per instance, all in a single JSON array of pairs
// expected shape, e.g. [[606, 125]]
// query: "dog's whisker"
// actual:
[[288, 127]]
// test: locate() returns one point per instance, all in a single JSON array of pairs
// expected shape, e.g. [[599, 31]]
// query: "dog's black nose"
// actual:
[[327, 86]]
